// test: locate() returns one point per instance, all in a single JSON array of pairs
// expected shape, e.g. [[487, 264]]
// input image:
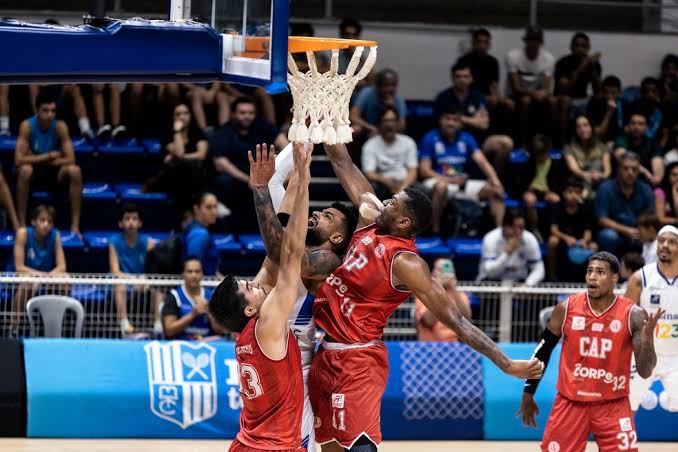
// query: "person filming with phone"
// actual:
[[428, 327]]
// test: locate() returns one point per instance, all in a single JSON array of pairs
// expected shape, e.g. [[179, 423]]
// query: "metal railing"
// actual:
[[504, 312]]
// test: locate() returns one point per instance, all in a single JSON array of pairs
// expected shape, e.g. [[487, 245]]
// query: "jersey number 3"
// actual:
[[250, 386]]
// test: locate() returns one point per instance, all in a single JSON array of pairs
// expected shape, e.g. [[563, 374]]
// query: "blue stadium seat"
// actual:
[[131, 192], [99, 205], [432, 247], [91, 293], [466, 252], [70, 241], [151, 145], [252, 243], [7, 143], [130, 146], [42, 197], [83, 146], [97, 240], [6, 239], [227, 243]]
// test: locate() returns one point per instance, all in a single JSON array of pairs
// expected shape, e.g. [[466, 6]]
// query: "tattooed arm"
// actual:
[[411, 272], [642, 329], [315, 264]]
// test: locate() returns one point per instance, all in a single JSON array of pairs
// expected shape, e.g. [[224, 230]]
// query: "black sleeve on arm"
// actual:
[[283, 217], [542, 353], [170, 306]]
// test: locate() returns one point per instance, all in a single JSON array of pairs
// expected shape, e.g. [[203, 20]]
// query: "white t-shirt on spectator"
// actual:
[[530, 72], [496, 265], [390, 159]]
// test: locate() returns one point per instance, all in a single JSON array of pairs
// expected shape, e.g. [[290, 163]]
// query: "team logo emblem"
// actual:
[[182, 381], [338, 401], [615, 326], [655, 299], [625, 424], [578, 323], [366, 240], [554, 446], [380, 250]]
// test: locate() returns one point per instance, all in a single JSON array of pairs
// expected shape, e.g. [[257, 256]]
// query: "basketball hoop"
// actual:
[[320, 112]]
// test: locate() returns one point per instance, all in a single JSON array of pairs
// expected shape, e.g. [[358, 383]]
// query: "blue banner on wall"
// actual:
[[503, 394], [112, 388]]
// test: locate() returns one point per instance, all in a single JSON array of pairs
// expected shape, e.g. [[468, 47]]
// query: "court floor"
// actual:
[[144, 445]]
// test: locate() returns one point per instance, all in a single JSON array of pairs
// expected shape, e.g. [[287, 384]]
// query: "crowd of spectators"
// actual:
[[591, 144]]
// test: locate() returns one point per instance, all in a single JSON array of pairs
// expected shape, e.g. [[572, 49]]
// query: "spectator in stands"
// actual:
[[445, 156], [668, 81], [198, 241], [70, 93], [105, 129], [630, 263], [475, 117], [201, 94], [4, 110], [666, 196], [635, 140], [648, 229], [184, 312], [619, 202], [228, 148], [545, 179], [484, 68], [44, 155], [530, 71], [183, 173], [606, 111], [38, 252], [587, 157], [511, 253], [571, 226], [389, 160], [577, 71], [429, 328], [263, 101], [371, 100], [7, 203], [127, 252], [143, 102], [650, 106]]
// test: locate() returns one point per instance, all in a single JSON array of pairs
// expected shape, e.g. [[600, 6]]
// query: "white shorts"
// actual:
[[666, 371], [470, 192]]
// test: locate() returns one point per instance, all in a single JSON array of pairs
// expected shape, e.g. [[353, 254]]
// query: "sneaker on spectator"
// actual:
[[126, 328], [87, 134], [119, 133], [104, 132]]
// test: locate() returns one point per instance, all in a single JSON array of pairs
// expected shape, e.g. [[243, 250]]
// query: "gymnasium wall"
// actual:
[[128, 389]]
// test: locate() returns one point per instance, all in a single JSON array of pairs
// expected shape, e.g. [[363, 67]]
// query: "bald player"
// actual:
[[653, 287]]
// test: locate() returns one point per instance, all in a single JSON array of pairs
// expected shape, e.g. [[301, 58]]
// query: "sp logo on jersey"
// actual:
[[578, 323], [655, 299], [182, 381]]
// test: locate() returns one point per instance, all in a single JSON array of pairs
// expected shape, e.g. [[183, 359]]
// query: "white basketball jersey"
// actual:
[[301, 323], [660, 292]]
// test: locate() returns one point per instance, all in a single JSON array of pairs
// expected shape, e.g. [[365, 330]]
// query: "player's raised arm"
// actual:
[[272, 328], [642, 330], [411, 272], [634, 287], [351, 178], [549, 339]]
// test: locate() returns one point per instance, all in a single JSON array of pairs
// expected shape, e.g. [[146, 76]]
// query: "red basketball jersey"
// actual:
[[595, 361], [272, 393], [355, 302]]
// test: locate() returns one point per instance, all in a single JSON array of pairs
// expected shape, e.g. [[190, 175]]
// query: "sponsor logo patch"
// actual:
[[338, 401], [625, 424], [578, 323]]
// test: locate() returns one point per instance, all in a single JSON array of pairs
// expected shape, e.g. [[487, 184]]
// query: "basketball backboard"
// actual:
[[242, 41]]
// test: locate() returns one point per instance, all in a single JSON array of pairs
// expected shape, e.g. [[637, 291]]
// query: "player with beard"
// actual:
[[268, 355], [380, 271], [601, 332], [654, 287], [328, 234]]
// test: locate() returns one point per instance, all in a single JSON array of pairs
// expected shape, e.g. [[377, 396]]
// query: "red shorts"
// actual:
[[345, 388], [570, 424], [237, 446]]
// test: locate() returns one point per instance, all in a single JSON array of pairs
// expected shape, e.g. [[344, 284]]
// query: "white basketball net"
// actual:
[[321, 99]]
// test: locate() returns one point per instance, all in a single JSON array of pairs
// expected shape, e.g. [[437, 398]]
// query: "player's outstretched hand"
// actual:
[[526, 370], [302, 161], [262, 169], [528, 410], [650, 325]]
